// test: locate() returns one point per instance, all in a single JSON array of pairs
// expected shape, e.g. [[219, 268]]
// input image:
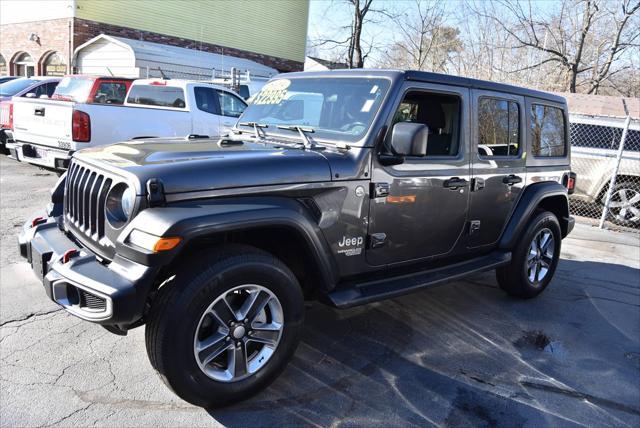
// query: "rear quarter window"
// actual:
[[159, 96], [547, 131]]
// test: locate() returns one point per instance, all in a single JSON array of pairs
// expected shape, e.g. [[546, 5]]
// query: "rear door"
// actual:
[[419, 208], [498, 163]]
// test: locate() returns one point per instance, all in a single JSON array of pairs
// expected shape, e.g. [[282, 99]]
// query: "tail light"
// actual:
[[81, 127], [571, 182], [6, 115]]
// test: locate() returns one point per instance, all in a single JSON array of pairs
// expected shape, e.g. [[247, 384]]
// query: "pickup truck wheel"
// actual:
[[226, 326], [534, 259]]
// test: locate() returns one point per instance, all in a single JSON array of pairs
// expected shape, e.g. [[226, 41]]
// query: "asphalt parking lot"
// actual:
[[461, 354]]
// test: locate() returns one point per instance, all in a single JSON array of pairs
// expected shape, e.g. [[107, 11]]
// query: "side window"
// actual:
[[547, 131], [230, 105], [441, 113], [157, 95], [207, 100], [110, 93], [498, 127], [51, 87], [38, 90]]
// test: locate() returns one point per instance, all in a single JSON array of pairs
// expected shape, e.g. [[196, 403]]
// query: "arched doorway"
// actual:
[[54, 65], [3, 66], [23, 65]]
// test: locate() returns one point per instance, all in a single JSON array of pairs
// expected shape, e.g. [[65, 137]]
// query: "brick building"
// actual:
[[39, 36]]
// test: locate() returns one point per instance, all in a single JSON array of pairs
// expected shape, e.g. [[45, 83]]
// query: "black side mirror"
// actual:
[[409, 139]]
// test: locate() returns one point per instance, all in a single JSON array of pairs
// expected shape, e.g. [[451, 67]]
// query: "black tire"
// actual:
[[621, 211], [180, 304], [515, 278]]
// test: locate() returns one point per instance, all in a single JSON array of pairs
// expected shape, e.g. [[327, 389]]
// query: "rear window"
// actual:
[[160, 96], [12, 87], [73, 89], [547, 131], [110, 93]]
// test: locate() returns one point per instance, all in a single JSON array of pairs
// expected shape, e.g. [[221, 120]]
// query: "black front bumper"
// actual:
[[113, 293]]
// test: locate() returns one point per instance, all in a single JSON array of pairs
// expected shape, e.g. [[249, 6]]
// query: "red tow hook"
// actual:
[[69, 254], [38, 220]]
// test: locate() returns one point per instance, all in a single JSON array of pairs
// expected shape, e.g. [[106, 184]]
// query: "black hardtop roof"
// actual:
[[425, 76]]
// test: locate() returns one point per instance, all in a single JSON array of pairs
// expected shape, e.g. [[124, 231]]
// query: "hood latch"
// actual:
[[155, 193]]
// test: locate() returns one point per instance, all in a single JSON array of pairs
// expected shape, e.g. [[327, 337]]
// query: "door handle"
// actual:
[[512, 179], [455, 182], [39, 111]]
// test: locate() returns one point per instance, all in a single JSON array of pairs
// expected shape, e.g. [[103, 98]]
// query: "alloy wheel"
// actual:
[[625, 205], [540, 256], [238, 333]]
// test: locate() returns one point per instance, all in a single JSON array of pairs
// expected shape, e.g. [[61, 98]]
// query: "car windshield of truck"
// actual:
[[12, 87], [75, 89], [336, 108]]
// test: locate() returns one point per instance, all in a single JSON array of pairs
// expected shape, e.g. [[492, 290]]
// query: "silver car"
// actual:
[[594, 149]]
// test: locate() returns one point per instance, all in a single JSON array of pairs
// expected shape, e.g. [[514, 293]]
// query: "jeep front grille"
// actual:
[[85, 194]]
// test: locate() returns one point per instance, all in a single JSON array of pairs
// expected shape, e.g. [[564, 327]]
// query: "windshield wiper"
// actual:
[[257, 127], [302, 130]]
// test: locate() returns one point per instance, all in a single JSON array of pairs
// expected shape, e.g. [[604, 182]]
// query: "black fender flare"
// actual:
[[534, 196], [196, 219]]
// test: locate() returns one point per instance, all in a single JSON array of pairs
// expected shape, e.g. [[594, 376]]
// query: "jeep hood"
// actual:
[[188, 165]]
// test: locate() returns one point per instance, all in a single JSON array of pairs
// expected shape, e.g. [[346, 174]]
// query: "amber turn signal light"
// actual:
[[166, 244]]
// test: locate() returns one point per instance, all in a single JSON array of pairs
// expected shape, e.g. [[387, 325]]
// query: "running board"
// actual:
[[355, 294]]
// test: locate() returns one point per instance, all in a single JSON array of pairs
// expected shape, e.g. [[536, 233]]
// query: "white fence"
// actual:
[[605, 154]]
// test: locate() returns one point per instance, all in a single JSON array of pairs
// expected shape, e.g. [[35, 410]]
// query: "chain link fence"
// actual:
[[605, 154]]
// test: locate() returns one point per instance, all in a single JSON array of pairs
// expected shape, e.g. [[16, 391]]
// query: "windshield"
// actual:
[[340, 108], [73, 89], [12, 87]]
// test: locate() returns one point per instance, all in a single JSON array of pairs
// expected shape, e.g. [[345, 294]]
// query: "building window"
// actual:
[[23, 65], [54, 65], [3, 66]]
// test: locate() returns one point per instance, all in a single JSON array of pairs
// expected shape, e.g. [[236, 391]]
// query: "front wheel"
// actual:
[[534, 259], [225, 326]]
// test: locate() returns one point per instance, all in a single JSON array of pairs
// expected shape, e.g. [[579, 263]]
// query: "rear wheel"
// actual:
[[226, 326], [534, 259]]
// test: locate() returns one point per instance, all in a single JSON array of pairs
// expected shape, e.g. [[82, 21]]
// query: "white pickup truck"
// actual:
[[47, 132]]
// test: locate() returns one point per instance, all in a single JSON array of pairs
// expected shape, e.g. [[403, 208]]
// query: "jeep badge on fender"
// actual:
[[213, 244]]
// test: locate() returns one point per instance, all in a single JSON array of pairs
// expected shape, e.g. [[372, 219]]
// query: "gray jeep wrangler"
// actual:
[[347, 187]]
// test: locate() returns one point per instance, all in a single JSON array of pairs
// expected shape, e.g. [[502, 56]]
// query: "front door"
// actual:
[[498, 167], [424, 210]]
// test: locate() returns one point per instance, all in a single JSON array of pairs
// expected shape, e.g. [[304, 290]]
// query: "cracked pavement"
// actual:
[[461, 354]]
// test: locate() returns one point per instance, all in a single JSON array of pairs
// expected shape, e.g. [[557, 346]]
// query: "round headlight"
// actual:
[[119, 204], [128, 199]]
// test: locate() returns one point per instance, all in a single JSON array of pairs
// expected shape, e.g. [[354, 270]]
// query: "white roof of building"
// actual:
[[171, 57]]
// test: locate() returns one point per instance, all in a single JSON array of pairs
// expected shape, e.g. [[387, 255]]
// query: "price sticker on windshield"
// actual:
[[273, 92]]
